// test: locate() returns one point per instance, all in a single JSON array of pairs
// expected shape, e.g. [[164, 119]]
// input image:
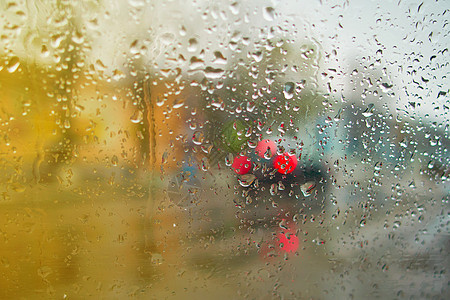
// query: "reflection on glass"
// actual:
[[223, 149]]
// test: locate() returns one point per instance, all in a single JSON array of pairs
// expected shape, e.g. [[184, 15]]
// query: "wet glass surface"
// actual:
[[224, 149]]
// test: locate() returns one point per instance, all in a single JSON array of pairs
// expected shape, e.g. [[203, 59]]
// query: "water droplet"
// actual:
[[167, 39], [266, 148], [273, 189], [115, 160], [198, 137], [268, 154], [250, 106], [307, 188], [13, 64], [182, 31], [386, 87], [234, 8], [289, 89], [269, 13], [117, 75], [242, 164], [246, 180], [192, 45], [219, 58], [213, 73], [134, 47], [369, 111], [178, 103], [196, 63], [44, 51], [205, 164], [251, 144], [56, 40], [229, 159], [283, 224], [257, 56], [137, 117]]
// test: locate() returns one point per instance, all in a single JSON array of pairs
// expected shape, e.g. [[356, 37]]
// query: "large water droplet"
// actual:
[[115, 160], [219, 58], [44, 51], [213, 73], [13, 64], [289, 89], [205, 164], [178, 103], [307, 188], [56, 40], [234, 8], [198, 137], [369, 111], [273, 189], [269, 13], [246, 180], [137, 117], [192, 45], [229, 159]]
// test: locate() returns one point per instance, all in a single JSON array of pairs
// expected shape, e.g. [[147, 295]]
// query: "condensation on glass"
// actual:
[[224, 149]]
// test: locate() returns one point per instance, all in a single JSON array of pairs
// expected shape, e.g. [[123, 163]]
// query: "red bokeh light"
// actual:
[[242, 164], [285, 163]]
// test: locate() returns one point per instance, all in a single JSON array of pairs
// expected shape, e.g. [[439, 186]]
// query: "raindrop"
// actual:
[[269, 13], [137, 117], [257, 56], [289, 89], [44, 51], [266, 148], [196, 63], [268, 154], [283, 224], [246, 180], [13, 64], [192, 45], [219, 58], [386, 87], [252, 144], [229, 159], [213, 73], [115, 161], [198, 137], [369, 111], [56, 40], [183, 31], [250, 106], [234, 8], [307, 188], [338, 115], [167, 38], [117, 75], [273, 189], [205, 164], [178, 103]]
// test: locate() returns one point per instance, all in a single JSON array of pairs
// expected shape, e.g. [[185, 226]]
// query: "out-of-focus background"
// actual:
[[224, 149]]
